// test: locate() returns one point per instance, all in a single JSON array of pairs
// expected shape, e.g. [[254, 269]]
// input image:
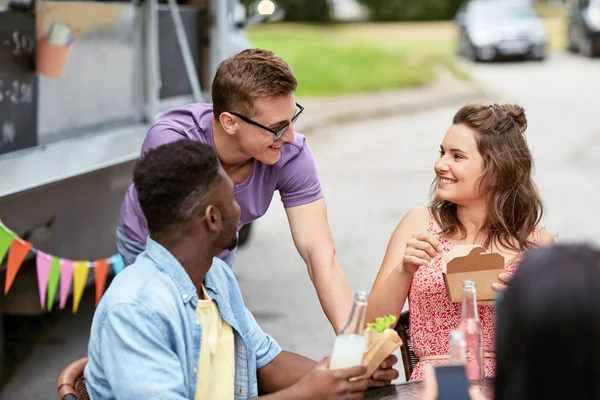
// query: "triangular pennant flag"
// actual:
[[43, 261], [53, 281], [80, 276], [6, 238], [17, 253], [117, 263], [100, 272], [66, 277]]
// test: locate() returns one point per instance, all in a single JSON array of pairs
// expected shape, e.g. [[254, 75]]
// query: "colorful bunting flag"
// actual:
[[117, 263], [80, 275], [66, 277], [6, 238], [17, 253], [52, 270], [100, 272], [53, 281], [43, 262]]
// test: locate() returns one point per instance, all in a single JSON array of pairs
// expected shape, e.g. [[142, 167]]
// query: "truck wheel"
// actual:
[[244, 235]]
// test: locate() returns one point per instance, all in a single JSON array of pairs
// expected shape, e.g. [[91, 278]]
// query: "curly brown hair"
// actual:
[[514, 205], [248, 75]]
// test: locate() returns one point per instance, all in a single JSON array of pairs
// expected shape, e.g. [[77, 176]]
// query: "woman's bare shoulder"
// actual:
[[544, 237], [416, 219], [420, 213]]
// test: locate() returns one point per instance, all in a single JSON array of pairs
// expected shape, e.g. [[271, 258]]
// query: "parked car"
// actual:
[[583, 33], [491, 29]]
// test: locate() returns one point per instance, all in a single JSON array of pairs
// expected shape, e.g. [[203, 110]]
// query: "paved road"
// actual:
[[372, 173]]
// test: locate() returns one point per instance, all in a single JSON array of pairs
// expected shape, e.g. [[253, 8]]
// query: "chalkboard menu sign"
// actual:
[[18, 81]]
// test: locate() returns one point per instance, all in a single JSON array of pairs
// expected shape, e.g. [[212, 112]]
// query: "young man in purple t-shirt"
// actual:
[[250, 126]]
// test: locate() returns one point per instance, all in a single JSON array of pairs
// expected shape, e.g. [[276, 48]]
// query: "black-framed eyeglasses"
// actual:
[[277, 132]]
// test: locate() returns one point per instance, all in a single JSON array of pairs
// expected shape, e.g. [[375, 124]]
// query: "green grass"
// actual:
[[339, 59], [368, 57]]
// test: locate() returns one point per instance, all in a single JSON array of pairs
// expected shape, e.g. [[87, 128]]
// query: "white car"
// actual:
[[492, 29]]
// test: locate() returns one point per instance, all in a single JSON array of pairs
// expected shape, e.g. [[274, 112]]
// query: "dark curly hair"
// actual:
[[171, 180], [514, 206]]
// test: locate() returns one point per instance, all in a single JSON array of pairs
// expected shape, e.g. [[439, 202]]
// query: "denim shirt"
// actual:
[[145, 338]]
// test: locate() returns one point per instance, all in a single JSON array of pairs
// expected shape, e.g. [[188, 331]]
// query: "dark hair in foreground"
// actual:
[[548, 330], [171, 180], [514, 206]]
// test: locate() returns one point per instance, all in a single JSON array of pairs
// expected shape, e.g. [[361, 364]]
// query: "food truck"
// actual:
[[80, 84]]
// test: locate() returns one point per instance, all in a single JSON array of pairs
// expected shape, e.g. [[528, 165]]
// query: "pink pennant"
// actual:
[[43, 262], [66, 277]]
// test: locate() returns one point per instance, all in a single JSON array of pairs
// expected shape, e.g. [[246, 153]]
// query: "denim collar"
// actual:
[[167, 263]]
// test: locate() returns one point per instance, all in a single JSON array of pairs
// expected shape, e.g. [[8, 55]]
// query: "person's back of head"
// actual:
[[171, 180], [548, 330]]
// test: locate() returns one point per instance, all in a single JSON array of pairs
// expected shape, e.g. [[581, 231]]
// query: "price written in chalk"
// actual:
[[7, 132], [20, 45], [16, 92]]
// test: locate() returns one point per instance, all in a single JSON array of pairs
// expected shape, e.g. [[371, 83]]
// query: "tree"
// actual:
[[315, 11], [411, 10]]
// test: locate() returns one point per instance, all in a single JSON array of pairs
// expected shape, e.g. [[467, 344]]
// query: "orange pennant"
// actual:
[[16, 254], [100, 273]]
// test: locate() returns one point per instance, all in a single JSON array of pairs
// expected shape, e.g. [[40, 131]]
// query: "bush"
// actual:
[[411, 10], [316, 11]]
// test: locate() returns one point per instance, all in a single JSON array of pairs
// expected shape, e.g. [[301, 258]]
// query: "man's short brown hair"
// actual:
[[247, 76]]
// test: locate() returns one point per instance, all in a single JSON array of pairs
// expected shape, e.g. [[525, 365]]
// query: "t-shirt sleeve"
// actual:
[[161, 134], [298, 182]]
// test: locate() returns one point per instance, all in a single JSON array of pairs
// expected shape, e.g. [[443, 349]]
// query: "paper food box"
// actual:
[[471, 262], [380, 343]]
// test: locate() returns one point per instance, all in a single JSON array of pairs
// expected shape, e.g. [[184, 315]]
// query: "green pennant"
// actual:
[[6, 238], [53, 278]]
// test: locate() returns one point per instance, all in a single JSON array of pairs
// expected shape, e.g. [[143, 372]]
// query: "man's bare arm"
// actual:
[[314, 242], [283, 372]]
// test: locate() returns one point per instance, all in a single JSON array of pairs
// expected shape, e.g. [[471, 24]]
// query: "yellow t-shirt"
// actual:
[[216, 367]]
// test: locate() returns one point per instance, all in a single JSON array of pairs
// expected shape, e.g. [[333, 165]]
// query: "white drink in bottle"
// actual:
[[349, 346]]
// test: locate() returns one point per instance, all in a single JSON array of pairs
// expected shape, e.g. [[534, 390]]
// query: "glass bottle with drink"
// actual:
[[457, 348], [471, 328], [349, 345]]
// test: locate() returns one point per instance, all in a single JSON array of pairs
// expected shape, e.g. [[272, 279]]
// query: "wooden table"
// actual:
[[412, 391]]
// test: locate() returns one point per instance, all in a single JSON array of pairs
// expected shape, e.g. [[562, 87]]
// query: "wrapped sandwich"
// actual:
[[381, 341]]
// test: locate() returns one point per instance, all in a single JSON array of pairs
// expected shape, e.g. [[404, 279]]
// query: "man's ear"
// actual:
[[213, 218], [229, 123]]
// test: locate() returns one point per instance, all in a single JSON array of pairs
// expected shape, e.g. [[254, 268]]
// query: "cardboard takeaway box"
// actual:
[[475, 263]]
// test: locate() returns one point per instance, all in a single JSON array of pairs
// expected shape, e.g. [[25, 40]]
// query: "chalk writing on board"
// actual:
[[16, 92], [18, 81], [20, 44], [8, 133]]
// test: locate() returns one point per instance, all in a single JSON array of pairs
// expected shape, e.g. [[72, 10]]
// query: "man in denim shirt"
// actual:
[[173, 325]]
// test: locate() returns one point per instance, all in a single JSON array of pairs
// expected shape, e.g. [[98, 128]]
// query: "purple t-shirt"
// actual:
[[294, 175]]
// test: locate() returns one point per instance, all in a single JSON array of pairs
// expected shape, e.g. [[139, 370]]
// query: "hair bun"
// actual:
[[517, 113]]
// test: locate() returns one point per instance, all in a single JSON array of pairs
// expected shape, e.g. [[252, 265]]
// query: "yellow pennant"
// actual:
[[80, 275]]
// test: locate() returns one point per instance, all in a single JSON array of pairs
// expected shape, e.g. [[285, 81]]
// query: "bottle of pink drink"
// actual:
[[473, 336]]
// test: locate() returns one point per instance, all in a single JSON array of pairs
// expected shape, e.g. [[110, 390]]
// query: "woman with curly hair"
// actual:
[[483, 194]]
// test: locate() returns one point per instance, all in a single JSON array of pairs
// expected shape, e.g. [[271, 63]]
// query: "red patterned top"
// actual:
[[433, 316]]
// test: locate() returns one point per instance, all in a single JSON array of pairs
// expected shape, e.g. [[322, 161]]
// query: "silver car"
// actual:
[[492, 29]]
